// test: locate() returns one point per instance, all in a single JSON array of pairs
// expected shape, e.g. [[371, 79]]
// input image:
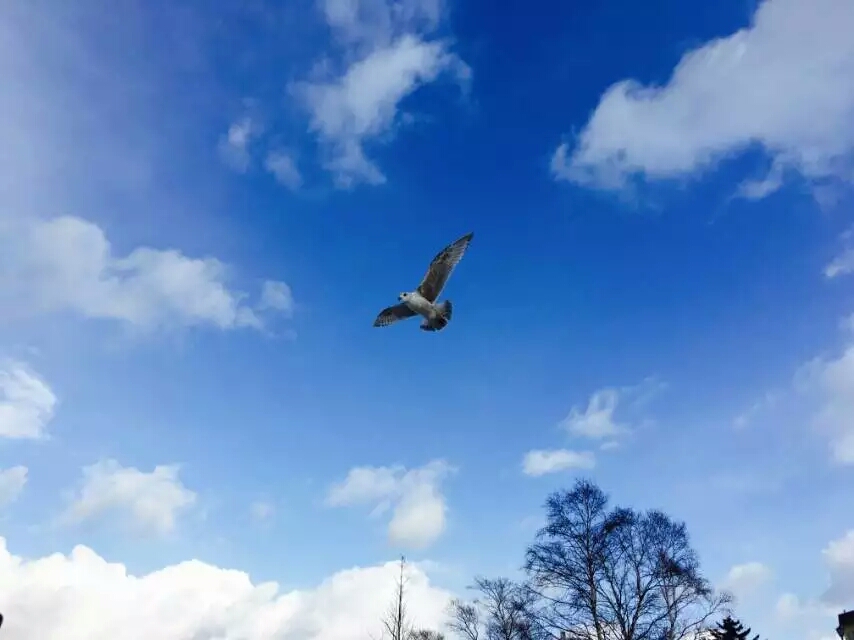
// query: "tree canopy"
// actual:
[[731, 629], [596, 572], [593, 572]]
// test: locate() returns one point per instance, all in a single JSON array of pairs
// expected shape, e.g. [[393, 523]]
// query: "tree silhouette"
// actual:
[[395, 624], [503, 610], [616, 574], [731, 629]]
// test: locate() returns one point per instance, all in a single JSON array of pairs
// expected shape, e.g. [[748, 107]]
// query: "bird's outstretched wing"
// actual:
[[441, 267], [392, 314]]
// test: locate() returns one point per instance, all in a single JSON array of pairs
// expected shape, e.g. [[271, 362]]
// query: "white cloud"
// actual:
[[419, 513], [839, 558], [418, 519], [151, 501], [277, 295], [541, 462], [26, 402], [284, 168], [597, 420], [788, 606], [765, 403], [831, 381], [810, 615], [234, 145], [743, 580], [12, 481], [67, 264], [389, 56], [373, 23], [786, 83], [83, 597], [842, 265], [758, 189], [261, 510], [807, 619]]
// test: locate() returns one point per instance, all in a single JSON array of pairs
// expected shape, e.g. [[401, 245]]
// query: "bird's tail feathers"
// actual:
[[445, 309]]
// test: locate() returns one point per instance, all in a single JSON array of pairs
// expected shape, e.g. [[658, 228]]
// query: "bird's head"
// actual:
[[403, 296]]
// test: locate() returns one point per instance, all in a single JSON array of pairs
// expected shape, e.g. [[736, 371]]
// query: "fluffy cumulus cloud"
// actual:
[[743, 580], [390, 50], [149, 501], [785, 82], [418, 506], [12, 482], [539, 462], [81, 596], [68, 264], [26, 402]]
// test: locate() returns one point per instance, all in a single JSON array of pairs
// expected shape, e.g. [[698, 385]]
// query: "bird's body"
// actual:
[[424, 300], [436, 315]]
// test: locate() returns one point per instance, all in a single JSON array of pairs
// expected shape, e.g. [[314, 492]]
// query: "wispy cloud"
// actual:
[[283, 166], [26, 402], [767, 402], [261, 510], [839, 558], [841, 265], [234, 145], [830, 383], [389, 52], [540, 462], [597, 420], [12, 482]]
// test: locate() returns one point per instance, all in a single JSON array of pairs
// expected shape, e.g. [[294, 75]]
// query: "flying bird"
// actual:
[[423, 301]]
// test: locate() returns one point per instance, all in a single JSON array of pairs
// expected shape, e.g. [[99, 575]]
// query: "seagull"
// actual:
[[422, 301]]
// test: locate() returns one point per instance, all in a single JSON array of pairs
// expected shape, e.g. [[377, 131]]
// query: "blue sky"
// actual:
[[204, 208]]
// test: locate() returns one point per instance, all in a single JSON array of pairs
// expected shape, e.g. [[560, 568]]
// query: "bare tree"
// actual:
[[503, 610], [616, 574], [465, 620], [395, 624], [426, 634], [566, 563]]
